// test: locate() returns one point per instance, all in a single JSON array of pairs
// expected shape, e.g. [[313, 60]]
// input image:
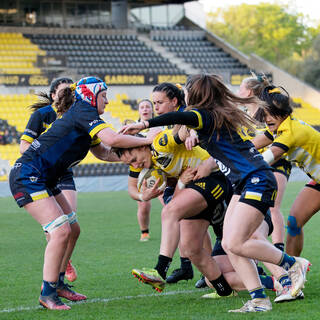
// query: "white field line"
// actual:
[[103, 300]]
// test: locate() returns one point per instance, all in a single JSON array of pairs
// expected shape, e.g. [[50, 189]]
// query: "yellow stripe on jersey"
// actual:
[[26, 138], [135, 169], [98, 128], [172, 157], [200, 125], [39, 195], [302, 143], [253, 195], [46, 125]]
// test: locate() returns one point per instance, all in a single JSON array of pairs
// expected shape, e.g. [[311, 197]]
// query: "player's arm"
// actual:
[[185, 177], [32, 131], [273, 154], [113, 139], [188, 118], [262, 140], [24, 145], [104, 153]]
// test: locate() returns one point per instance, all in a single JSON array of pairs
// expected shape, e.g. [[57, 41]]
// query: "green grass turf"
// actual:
[[107, 250]]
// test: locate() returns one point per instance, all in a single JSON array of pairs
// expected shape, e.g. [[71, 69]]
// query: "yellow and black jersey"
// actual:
[[301, 142], [170, 155]]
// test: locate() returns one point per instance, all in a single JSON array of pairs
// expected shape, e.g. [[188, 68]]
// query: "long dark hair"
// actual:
[[278, 103], [45, 99], [172, 91], [208, 92], [65, 99]]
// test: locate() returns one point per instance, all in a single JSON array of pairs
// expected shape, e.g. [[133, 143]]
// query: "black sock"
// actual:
[[145, 231], [280, 246], [185, 263], [163, 265], [222, 286]]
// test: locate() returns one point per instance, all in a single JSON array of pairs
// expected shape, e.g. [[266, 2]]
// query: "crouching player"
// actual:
[[193, 207]]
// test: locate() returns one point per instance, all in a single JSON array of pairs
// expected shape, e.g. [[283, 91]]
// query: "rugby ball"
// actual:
[[151, 176]]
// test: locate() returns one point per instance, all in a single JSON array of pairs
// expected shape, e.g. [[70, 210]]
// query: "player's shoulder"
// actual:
[[45, 110]]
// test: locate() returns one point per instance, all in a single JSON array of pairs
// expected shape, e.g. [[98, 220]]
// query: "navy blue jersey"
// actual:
[[235, 154], [39, 121], [66, 142]]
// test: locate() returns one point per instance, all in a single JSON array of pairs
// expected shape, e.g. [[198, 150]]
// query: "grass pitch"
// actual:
[[107, 250]]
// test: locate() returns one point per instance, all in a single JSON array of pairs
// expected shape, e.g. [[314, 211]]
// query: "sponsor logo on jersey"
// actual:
[[30, 131], [224, 169], [202, 185], [255, 180], [35, 144], [163, 161], [93, 122], [33, 179], [163, 141], [17, 165]]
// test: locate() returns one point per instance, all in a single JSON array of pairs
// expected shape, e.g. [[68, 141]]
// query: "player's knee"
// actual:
[[231, 245], [190, 251], [292, 227], [58, 228], [225, 245], [168, 213]]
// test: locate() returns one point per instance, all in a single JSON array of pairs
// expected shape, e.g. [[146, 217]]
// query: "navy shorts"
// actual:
[[27, 184], [259, 190], [66, 182]]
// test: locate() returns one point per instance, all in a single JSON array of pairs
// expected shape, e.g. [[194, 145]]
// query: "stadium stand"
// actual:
[[196, 49], [307, 113], [18, 54], [117, 54]]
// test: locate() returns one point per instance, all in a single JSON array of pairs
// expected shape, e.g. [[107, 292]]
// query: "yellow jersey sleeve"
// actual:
[[165, 141]]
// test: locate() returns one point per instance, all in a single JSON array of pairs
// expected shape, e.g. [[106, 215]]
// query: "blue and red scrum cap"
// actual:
[[88, 88]]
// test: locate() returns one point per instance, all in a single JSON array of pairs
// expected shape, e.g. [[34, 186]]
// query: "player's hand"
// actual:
[[187, 175], [132, 128], [153, 132], [202, 171], [150, 193], [191, 142]]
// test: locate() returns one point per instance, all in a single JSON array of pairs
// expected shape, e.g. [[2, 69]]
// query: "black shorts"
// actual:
[[283, 166], [314, 185], [217, 191]]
